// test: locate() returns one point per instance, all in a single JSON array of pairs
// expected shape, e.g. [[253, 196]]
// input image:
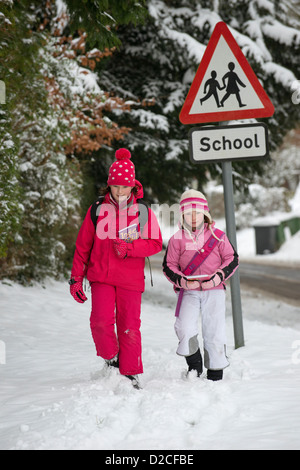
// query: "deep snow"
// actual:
[[55, 393]]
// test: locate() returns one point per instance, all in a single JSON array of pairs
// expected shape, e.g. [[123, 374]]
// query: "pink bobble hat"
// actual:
[[122, 171]]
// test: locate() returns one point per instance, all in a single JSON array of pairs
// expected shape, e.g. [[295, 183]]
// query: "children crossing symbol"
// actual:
[[225, 87]]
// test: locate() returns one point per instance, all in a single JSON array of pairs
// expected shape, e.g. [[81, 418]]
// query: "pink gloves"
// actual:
[[189, 285], [76, 290], [120, 247], [214, 281]]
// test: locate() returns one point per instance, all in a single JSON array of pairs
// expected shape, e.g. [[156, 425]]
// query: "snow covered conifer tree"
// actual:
[[101, 18], [18, 47], [54, 118], [158, 61]]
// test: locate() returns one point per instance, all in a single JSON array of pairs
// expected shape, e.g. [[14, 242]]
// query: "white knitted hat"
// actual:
[[194, 200]]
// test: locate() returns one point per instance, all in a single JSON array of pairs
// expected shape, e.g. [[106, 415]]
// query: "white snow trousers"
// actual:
[[211, 304]]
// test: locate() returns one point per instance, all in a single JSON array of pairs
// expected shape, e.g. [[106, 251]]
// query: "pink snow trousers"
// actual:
[[114, 306]]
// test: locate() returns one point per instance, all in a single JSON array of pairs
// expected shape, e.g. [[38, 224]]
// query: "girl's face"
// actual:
[[120, 193], [194, 219]]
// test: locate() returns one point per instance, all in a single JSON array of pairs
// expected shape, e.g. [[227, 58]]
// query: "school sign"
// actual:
[[228, 143], [225, 86]]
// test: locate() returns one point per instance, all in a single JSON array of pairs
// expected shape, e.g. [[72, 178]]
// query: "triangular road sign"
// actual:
[[225, 86]]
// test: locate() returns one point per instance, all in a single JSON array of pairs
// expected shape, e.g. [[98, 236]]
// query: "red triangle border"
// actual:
[[221, 29]]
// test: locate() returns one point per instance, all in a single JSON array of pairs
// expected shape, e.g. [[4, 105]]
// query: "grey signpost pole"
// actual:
[[231, 232]]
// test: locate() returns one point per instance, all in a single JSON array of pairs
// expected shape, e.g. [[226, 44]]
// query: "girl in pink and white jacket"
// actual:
[[206, 256], [112, 257]]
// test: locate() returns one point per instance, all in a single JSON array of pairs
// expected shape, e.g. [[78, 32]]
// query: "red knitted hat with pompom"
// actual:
[[122, 171]]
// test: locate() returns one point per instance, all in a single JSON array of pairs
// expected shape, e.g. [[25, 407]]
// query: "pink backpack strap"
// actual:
[[199, 258]]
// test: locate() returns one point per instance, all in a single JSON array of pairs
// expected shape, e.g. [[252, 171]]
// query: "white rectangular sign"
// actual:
[[219, 143]]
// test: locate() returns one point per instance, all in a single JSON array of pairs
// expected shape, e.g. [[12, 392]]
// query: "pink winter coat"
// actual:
[[95, 256], [182, 247]]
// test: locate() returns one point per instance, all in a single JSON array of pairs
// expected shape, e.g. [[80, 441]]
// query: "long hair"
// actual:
[[207, 221]]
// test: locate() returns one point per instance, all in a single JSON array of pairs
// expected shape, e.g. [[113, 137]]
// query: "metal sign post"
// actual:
[[231, 232]]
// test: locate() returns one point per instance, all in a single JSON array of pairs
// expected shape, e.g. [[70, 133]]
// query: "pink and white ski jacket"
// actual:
[[95, 256], [184, 244]]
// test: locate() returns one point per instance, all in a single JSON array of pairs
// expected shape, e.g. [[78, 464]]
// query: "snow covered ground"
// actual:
[[55, 394]]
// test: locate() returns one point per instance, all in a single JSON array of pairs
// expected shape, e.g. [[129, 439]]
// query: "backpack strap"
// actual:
[[143, 213], [199, 258], [95, 210]]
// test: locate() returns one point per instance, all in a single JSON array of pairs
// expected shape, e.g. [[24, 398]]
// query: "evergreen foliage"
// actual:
[[102, 17], [158, 61], [53, 121], [19, 70]]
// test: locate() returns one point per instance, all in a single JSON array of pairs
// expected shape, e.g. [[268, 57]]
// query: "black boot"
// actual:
[[135, 381], [195, 362], [214, 375], [114, 362]]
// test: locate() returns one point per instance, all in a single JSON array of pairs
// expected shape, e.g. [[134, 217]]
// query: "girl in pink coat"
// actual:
[[198, 260], [112, 257]]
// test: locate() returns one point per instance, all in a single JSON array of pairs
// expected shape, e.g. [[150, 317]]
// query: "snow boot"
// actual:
[[114, 362], [214, 375], [135, 381], [195, 363]]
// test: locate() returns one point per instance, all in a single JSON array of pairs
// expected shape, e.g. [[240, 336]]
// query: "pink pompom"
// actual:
[[122, 154]]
